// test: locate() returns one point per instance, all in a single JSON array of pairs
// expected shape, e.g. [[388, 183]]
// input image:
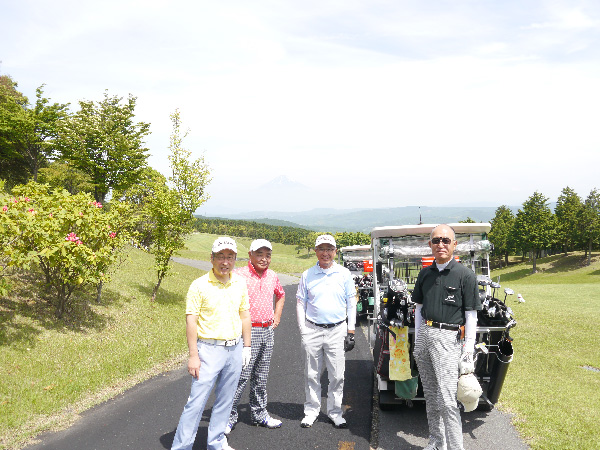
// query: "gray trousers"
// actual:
[[437, 354]]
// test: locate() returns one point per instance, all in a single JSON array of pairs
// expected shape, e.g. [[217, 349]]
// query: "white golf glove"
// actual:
[[466, 364], [246, 355]]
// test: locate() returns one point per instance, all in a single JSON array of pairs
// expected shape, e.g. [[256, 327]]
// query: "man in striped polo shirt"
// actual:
[[262, 284], [447, 299]]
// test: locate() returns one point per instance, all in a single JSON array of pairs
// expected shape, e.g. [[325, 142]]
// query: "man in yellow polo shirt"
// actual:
[[218, 331]]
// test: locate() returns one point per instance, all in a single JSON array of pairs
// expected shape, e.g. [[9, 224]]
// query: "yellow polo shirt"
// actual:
[[218, 305]]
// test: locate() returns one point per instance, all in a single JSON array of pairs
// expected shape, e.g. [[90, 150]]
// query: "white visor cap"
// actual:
[[325, 239], [223, 243], [468, 392], [260, 243]]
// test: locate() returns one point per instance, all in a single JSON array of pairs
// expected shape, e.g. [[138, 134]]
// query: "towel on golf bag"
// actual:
[[399, 355]]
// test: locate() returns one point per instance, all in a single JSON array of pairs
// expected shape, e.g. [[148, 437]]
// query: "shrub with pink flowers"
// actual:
[[72, 239]]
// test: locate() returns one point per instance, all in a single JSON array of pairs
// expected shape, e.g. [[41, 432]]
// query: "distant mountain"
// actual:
[[366, 219]]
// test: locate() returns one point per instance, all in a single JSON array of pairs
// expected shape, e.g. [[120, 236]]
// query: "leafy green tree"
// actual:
[[172, 209], [140, 196], [62, 175], [13, 167], [468, 220], [589, 222], [102, 140], [500, 234], [533, 229], [39, 131], [32, 130], [567, 214]]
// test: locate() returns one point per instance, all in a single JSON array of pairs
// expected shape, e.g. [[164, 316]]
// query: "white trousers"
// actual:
[[324, 345]]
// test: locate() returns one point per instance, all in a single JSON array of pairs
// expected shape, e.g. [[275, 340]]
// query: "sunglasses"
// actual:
[[437, 240]]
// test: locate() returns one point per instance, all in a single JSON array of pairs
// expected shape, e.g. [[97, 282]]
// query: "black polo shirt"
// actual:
[[446, 295]]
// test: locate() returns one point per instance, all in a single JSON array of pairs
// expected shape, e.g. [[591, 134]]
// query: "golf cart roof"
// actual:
[[425, 229], [355, 248]]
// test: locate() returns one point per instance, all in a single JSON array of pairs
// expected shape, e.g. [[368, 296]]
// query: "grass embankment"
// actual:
[[555, 397], [51, 370]]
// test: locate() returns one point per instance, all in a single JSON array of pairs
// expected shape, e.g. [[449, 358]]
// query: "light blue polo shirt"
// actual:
[[327, 294]]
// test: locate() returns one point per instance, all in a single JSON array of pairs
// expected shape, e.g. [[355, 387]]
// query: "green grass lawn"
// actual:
[[52, 370], [555, 399]]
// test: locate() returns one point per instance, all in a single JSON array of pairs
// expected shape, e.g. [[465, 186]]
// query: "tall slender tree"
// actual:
[[589, 222], [172, 210], [567, 214], [500, 234], [534, 226]]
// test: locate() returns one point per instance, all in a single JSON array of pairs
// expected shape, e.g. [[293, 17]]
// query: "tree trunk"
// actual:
[[98, 291], [506, 259], [589, 253], [534, 259], [155, 290]]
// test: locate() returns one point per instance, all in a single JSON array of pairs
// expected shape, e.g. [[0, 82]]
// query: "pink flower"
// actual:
[[31, 210], [72, 237], [5, 208], [81, 214], [79, 242], [50, 215], [112, 235]]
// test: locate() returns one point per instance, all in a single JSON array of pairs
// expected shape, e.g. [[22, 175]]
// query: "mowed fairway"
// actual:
[[552, 386]]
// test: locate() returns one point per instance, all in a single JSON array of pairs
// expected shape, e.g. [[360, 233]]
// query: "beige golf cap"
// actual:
[[223, 243], [260, 243], [325, 239], [468, 392]]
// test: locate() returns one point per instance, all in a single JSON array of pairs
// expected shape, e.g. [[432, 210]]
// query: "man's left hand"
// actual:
[[246, 355], [466, 364], [349, 342]]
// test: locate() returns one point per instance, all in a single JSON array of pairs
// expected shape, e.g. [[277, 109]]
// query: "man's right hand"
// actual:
[[194, 366]]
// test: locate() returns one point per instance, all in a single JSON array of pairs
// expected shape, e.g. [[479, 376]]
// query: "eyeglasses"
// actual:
[[445, 240], [225, 258], [325, 250]]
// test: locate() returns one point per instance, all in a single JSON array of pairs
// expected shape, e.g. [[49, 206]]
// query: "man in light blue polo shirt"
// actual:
[[326, 308]]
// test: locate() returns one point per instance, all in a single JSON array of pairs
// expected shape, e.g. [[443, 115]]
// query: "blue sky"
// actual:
[[365, 103]]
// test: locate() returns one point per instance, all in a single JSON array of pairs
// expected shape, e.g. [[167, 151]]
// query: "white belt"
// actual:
[[226, 343]]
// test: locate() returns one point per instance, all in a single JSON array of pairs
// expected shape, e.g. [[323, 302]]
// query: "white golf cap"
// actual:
[[223, 243], [468, 392], [260, 243], [325, 239]]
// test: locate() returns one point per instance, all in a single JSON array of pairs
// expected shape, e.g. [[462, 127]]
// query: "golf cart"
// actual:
[[359, 260], [399, 254]]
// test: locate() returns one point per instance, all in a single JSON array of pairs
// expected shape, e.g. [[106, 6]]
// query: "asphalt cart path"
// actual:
[[145, 417], [404, 428]]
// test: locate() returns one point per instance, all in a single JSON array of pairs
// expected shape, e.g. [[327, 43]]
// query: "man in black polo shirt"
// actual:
[[447, 301]]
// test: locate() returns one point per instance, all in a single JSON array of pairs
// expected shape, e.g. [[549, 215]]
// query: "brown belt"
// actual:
[[447, 326]]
